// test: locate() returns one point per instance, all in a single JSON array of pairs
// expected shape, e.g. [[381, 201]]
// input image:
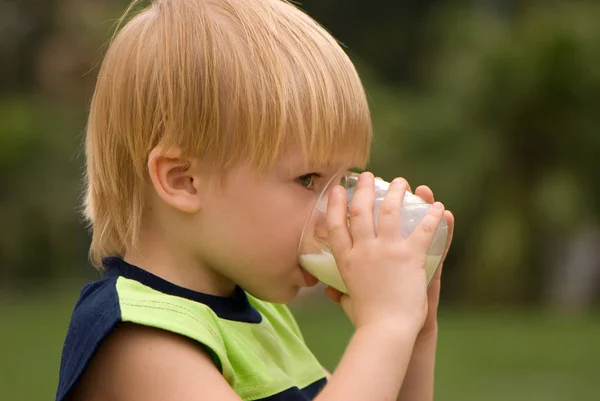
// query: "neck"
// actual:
[[172, 263]]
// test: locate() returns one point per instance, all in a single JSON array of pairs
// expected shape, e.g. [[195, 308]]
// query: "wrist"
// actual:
[[425, 344], [391, 331], [429, 332], [374, 364], [431, 322]]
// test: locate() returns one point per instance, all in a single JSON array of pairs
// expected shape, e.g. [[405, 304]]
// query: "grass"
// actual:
[[508, 356], [493, 356]]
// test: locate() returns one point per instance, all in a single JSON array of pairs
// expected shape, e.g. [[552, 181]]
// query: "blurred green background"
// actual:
[[493, 103]]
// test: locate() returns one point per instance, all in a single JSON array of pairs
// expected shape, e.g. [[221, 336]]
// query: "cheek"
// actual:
[[261, 227], [265, 220], [274, 236], [279, 233], [284, 213]]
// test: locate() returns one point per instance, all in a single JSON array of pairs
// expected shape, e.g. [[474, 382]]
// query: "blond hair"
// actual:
[[223, 80]]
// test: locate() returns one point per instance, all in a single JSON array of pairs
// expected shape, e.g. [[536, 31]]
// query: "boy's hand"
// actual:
[[433, 292], [418, 382], [384, 272], [419, 378]]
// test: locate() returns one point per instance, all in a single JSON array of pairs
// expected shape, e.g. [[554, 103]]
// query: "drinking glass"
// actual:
[[315, 253]]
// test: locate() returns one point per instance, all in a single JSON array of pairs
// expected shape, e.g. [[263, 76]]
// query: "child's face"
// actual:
[[251, 226]]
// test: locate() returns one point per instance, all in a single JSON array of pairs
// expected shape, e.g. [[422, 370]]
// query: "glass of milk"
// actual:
[[314, 251]]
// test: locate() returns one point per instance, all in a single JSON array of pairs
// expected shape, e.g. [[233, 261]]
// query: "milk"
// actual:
[[323, 267]]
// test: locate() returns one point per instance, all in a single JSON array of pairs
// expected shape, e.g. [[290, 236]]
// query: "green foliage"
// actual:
[[505, 133], [500, 121], [41, 170], [487, 354]]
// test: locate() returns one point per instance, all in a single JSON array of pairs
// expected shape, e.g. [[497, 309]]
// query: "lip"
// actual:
[[309, 279]]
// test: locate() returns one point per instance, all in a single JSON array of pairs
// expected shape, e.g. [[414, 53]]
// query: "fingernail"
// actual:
[[438, 205], [398, 181], [365, 175]]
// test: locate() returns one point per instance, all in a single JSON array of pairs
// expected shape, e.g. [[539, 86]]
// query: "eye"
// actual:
[[308, 180]]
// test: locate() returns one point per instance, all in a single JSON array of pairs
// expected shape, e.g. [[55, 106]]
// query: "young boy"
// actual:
[[213, 128]]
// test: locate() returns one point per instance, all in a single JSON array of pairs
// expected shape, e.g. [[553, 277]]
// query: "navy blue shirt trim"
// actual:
[[295, 394], [236, 307], [97, 312]]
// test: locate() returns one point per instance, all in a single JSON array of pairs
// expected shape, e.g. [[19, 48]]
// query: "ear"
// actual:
[[175, 180]]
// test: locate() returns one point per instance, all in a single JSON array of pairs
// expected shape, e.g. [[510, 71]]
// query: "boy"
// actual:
[[213, 127]]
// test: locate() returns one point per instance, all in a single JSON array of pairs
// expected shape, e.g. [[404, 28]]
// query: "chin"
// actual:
[[280, 295]]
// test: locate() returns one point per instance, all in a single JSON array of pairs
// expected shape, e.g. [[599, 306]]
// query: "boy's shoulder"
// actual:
[[255, 344]]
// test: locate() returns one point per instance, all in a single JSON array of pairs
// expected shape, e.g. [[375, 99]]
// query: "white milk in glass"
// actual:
[[323, 267]]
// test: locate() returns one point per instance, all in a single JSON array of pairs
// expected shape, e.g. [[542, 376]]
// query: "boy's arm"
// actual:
[[364, 371], [419, 379], [139, 363], [418, 382], [143, 363]]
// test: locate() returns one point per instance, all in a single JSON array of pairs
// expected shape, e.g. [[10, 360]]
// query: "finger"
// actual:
[[388, 222], [435, 280], [449, 217], [338, 235], [433, 292], [423, 234], [407, 184], [333, 294], [425, 193], [361, 209]]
